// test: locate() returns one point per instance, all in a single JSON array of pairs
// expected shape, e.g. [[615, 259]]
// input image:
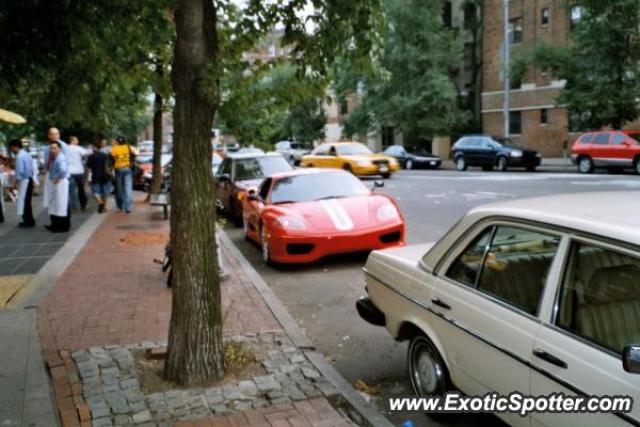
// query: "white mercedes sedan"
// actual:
[[536, 296]]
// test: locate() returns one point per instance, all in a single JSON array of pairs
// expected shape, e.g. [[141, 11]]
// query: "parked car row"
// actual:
[[301, 215], [543, 291]]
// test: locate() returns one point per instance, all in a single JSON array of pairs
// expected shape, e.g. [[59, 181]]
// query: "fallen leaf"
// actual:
[[362, 387]]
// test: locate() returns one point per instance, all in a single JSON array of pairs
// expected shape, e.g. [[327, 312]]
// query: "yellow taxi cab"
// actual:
[[353, 157]]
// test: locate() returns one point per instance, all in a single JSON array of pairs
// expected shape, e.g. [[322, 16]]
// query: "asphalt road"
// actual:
[[321, 296]]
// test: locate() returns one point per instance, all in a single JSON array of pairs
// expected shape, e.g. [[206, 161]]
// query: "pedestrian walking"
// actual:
[[23, 175], [123, 156], [105, 147], [75, 159], [99, 165], [58, 202]]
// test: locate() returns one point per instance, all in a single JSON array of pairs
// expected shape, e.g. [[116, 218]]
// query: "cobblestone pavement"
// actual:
[[308, 413], [112, 301], [112, 391]]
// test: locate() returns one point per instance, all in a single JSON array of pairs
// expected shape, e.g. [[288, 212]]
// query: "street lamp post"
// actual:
[[506, 55]]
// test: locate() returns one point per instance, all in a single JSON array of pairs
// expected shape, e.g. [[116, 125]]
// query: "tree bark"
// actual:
[[158, 104], [195, 350]]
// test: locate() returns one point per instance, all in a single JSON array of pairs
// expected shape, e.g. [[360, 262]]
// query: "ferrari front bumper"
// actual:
[[292, 249]]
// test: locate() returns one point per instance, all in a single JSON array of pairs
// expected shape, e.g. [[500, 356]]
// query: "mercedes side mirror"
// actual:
[[631, 358]]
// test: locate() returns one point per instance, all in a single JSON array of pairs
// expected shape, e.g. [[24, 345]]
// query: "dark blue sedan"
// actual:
[[410, 159], [488, 152]]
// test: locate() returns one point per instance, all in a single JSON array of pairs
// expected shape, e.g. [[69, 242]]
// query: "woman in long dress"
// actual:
[[58, 193]]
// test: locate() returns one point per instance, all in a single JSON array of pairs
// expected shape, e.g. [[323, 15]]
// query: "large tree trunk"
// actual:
[[156, 182], [195, 350]]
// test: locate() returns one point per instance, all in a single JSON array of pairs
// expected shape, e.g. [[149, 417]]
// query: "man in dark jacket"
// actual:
[[99, 165]]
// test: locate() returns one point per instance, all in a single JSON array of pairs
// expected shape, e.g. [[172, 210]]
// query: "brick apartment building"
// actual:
[[537, 121]]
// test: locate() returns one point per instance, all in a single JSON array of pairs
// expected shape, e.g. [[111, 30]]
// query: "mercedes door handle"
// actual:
[[441, 303], [550, 358]]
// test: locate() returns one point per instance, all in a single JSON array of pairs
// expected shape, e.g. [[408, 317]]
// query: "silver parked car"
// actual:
[[292, 151]]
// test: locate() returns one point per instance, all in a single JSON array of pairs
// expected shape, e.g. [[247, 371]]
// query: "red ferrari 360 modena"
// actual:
[[303, 215]]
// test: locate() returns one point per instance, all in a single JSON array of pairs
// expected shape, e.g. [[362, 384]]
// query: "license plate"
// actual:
[[384, 169]]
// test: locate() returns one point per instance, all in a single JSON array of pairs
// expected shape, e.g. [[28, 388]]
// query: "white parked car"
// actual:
[[535, 296], [292, 151]]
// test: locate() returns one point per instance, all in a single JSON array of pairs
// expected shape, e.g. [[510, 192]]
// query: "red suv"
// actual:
[[606, 149]]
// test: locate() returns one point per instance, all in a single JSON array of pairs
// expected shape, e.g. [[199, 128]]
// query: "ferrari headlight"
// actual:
[[290, 223], [387, 213], [516, 153], [364, 163]]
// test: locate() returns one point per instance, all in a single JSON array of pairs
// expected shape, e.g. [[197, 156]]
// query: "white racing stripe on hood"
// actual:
[[340, 218]]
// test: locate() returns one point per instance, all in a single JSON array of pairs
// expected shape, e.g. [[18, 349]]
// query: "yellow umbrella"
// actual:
[[9, 117]]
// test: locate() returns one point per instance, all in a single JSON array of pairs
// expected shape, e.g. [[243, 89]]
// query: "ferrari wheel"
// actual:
[[264, 244]]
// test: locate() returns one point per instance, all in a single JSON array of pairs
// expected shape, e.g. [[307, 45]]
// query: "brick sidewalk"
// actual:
[[114, 294]]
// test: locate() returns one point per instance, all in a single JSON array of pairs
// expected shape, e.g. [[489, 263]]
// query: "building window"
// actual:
[[515, 122], [515, 31], [344, 107], [388, 136], [576, 15], [544, 16], [544, 116], [447, 14], [515, 82]]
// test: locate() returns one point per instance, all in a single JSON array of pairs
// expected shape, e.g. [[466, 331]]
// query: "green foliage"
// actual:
[[600, 64], [411, 87], [84, 66], [271, 104], [305, 121], [520, 61]]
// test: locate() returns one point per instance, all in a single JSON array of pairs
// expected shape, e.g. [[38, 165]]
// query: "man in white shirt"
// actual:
[[75, 160]]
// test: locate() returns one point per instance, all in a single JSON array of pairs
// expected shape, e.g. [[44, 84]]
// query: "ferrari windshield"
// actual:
[[260, 167], [353, 149], [317, 186]]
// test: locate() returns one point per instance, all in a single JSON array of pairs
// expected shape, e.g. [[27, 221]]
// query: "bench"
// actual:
[[161, 199]]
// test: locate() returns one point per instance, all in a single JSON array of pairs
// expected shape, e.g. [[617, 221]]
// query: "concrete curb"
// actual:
[[369, 413]]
